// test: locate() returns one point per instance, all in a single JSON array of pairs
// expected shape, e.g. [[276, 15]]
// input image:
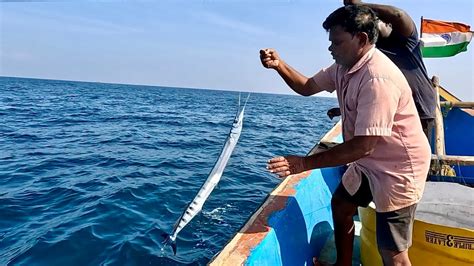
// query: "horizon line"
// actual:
[[161, 86]]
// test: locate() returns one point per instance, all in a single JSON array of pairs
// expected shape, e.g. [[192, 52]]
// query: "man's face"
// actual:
[[345, 48]]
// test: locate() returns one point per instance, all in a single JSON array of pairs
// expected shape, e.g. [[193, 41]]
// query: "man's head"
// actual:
[[352, 32]]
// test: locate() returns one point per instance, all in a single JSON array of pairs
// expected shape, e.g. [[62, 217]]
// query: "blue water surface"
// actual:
[[94, 173]]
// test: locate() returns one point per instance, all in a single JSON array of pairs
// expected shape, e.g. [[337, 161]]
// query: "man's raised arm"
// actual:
[[400, 20], [298, 82]]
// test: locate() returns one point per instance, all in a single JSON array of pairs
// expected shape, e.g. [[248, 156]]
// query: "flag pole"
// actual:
[[421, 27]]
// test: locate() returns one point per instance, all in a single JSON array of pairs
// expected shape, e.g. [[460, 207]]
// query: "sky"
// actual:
[[211, 44]]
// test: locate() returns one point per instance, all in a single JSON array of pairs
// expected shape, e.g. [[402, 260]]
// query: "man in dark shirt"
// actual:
[[399, 41]]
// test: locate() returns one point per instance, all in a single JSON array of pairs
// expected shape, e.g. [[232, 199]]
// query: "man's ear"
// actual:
[[363, 38]]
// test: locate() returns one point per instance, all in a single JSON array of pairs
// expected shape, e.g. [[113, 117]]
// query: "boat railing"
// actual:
[[440, 162], [449, 104]]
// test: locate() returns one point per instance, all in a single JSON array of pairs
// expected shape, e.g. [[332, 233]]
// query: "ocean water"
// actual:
[[94, 173]]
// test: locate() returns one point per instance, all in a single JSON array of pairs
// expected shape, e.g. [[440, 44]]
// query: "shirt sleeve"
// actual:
[[326, 78], [413, 41], [377, 104]]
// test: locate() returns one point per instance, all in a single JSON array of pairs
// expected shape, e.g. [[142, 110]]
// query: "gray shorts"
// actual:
[[394, 229]]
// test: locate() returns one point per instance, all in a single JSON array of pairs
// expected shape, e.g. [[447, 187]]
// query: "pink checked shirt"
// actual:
[[375, 100]]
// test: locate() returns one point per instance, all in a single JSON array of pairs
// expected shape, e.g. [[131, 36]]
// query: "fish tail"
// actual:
[[168, 241]]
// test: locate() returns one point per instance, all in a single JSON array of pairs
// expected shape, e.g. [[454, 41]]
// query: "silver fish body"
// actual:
[[195, 206]]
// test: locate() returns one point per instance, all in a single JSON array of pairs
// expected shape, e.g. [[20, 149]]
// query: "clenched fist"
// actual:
[[352, 2], [269, 58]]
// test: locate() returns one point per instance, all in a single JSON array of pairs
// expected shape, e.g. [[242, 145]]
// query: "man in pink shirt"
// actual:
[[384, 144]]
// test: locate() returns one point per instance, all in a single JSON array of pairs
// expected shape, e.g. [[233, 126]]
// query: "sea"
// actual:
[[95, 173]]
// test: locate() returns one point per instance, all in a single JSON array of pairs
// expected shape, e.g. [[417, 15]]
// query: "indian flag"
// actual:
[[443, 39]]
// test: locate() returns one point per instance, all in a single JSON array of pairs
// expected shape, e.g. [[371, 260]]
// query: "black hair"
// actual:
[[354, 19]]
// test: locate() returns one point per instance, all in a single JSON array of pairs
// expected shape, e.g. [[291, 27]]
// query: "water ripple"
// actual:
[[95, 173]]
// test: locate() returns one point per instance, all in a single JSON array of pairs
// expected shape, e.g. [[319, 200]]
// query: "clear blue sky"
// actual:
[[201, 44]]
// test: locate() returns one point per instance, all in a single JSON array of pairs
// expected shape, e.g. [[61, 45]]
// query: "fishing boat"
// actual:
[[294, 223]]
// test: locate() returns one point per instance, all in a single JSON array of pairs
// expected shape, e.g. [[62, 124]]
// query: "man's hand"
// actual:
[[269, 58], [352, 2], [334, 112], [288, 165]]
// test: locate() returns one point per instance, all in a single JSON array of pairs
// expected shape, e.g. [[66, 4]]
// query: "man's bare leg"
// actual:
[[395, 258], [342, 213]]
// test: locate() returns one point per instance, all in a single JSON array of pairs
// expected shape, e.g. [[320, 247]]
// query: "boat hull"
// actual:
[[296, 214]]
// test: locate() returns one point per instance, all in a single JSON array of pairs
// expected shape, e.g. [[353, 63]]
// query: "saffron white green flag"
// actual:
[[443, 39]]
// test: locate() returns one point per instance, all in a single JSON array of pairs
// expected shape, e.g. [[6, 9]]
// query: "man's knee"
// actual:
[[342, 209], [395, 258]]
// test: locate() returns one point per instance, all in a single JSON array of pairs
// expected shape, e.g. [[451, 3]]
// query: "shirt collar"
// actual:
[[362, 61]]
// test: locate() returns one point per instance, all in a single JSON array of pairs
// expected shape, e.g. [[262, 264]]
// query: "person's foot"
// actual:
[[316, 262]]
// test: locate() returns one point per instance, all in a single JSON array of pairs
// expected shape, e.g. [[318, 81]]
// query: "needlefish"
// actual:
[[195, 206]]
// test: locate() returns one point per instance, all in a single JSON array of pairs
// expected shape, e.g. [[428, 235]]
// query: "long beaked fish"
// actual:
[[195, 206]]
